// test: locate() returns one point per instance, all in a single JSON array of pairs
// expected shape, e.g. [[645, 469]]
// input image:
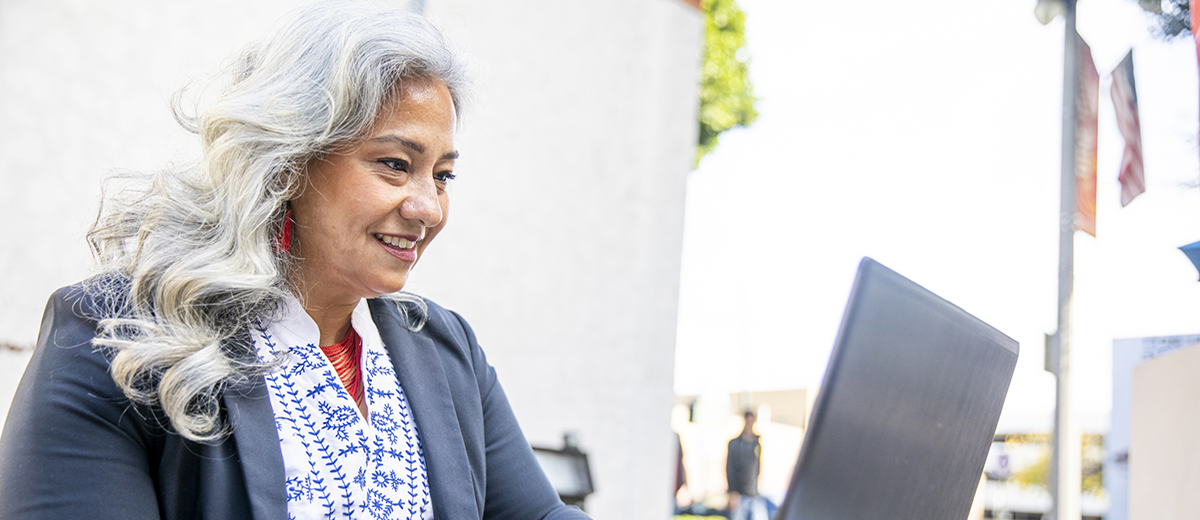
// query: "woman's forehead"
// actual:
[[421, 109]]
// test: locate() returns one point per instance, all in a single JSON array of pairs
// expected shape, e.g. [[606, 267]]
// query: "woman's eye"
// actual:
[[399, 165]]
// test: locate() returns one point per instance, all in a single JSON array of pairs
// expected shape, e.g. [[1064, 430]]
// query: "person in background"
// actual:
[[245, 351], [741, 473]]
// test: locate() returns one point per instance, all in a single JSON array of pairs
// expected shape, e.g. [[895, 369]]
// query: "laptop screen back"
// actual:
[[907, 410]]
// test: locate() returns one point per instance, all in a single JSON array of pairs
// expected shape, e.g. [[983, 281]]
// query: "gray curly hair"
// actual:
[[189, 250]]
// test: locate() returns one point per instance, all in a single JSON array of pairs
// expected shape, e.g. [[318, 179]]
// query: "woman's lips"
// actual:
[[399, 247]]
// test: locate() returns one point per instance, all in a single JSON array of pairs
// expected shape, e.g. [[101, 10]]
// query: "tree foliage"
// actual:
[[726, 93], [1174, 20], [1037, 474]]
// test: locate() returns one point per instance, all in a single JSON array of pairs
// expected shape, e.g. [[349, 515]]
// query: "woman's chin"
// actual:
[[392, 284]]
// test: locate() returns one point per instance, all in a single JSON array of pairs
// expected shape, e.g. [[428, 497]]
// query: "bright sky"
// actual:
[[928, 139]]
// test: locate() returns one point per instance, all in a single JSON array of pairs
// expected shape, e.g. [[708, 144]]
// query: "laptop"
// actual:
[[907, 411]]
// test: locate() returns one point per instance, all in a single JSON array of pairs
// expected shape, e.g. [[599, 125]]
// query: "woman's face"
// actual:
[[368, 212]]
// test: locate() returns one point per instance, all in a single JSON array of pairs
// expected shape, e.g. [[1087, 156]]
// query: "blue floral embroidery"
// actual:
[[299, 488], [361, 478], [378, 505], [388, 479], [383, 422], [338, 419], [377, 466], [283, 388]]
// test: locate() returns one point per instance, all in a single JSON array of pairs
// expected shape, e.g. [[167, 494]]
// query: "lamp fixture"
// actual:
[[1047, 10]]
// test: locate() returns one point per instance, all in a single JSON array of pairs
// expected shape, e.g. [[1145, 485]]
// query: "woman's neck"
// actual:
[[329, 309], [331, 315], [332, 322]]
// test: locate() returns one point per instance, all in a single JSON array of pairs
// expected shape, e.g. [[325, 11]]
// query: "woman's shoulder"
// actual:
[[67, 368], [439, 316], [66, 358], [70, 423], [449, 324], [425, 318], [420, 315], [93, 299]]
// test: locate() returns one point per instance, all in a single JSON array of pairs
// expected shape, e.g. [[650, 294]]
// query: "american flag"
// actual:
[[1124, 97]]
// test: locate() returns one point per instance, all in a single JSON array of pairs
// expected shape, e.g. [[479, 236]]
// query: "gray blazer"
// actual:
[[74, 446]]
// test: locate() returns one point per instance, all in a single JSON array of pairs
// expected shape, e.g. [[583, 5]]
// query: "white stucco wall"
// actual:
[[567, 215], [565, 237]]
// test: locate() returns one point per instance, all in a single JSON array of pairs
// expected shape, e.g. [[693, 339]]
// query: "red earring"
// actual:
[[283, 241]]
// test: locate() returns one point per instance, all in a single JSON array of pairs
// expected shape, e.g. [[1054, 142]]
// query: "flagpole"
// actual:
[[1065, 482]]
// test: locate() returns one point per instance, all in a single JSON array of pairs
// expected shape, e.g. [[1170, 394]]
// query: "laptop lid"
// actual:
[[907, 411]]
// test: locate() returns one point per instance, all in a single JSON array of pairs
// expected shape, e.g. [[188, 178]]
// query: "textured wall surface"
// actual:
[[1164, 458], [564, 246]]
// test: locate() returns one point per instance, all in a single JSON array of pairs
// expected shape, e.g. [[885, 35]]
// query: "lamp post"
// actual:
[[1065, 467]]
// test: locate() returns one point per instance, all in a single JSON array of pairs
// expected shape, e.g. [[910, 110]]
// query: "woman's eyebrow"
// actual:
[[416, 147]]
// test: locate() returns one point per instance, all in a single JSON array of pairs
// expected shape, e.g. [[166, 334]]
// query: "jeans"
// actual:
[[750, 508]]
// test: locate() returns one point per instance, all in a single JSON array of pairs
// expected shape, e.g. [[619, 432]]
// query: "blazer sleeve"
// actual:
[[517, 488], [72, 445]]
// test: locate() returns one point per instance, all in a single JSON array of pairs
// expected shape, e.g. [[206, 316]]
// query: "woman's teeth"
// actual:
[[396, 242]]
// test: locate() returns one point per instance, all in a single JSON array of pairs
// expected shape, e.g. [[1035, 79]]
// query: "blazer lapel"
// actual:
[[423, 379], [257, 443]]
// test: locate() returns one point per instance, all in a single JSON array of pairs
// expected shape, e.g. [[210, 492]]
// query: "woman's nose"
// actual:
[[422, 202]]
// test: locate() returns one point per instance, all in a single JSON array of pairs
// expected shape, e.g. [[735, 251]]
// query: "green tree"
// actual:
[[726, 93], [1174, 19], [1037, 474]]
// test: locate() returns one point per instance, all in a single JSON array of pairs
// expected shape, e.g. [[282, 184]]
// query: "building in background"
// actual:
[[1163, 453], [567, 213], [1150, 393], [1137, 463]]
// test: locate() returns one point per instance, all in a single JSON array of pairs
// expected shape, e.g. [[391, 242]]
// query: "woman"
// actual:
[[246, 352]]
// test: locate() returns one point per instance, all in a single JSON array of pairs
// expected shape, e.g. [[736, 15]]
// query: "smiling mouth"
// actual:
[[395, 242]]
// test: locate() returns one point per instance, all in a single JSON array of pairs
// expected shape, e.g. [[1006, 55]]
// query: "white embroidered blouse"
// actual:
[[338, 465]]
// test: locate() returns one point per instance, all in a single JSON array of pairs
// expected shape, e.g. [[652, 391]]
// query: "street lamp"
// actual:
[[1047, 10], [1066, 465]]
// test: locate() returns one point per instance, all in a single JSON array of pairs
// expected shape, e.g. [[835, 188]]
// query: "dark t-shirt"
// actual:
[[741, 466]]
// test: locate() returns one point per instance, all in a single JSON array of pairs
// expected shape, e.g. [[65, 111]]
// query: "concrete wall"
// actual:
[[1164, 457], [567, 215], [566, 228]]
